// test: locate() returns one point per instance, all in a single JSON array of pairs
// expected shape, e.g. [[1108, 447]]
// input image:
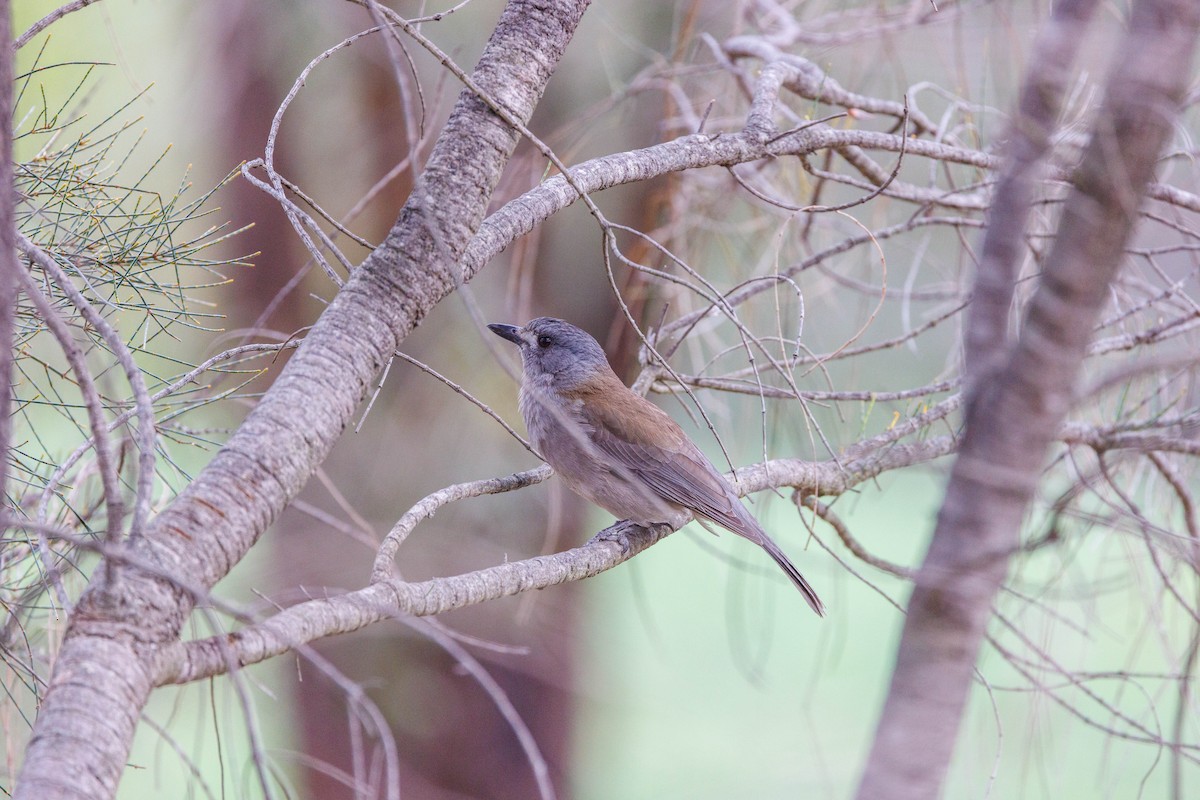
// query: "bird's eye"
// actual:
[[544, 341]]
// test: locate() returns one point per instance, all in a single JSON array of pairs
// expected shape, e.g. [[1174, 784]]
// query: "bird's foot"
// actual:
[[619, 532], [624, 532]]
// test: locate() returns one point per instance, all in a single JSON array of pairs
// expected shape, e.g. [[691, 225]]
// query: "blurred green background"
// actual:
[[692, 672]]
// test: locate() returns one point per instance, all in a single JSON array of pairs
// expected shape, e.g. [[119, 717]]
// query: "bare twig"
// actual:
[[105, 457], [10, 269], [144, 434], [45, 22]]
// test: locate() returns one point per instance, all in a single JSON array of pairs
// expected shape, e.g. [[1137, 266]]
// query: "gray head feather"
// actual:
[[559, 354]]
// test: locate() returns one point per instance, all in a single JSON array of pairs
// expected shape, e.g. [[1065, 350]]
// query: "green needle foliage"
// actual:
[[140, 260]]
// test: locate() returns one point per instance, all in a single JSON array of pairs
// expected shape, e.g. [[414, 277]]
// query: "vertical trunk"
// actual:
[[103, 673], [1014, 413]]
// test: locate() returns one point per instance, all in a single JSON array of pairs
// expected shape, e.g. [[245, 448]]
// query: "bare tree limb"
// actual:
[[144, 410], [104, 670], [10, 270], [45, 22], [1028, 142], [106, 462], [387, 597], [1014, 415]]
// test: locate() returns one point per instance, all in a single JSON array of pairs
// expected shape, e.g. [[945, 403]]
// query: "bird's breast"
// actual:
[[557, 429]]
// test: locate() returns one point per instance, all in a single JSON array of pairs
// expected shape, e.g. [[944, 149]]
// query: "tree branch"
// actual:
[[10, 270], [387, 597], [105, 669], [1014, 415], [1028, 142]]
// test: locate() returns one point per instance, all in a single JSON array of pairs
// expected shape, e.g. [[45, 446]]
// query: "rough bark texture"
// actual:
[[105, 669], [1014, 414]]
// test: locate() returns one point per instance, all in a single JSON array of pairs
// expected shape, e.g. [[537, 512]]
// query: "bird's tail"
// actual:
[[743, 523], [787, 566]]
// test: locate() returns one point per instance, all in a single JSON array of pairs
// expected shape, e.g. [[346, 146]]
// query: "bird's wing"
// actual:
[[641, 440], [672, 467]]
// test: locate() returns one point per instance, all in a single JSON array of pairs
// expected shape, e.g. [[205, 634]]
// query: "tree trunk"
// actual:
[[1014, 413], [104, 670]]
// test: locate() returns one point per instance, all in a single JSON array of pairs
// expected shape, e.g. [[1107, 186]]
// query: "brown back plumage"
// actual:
[[642, 439]]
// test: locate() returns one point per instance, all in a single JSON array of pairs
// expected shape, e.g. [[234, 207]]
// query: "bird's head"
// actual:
[[556, 354]]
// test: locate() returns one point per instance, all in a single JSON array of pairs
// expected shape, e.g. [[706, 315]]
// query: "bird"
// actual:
[[618, 450]]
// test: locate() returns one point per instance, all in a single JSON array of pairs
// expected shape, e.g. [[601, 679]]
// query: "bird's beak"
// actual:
[[510, 332]]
